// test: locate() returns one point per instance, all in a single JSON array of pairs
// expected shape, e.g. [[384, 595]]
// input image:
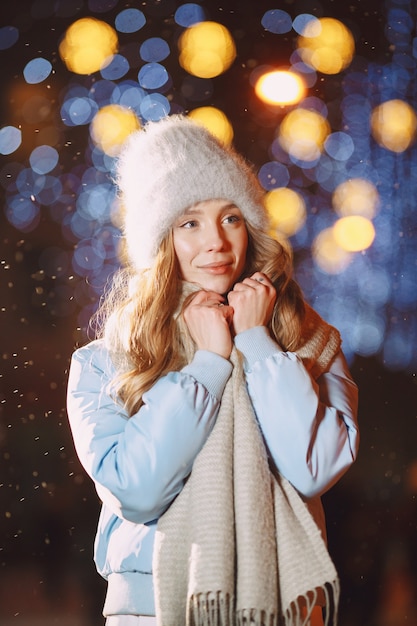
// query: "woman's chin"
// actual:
[[218, 284]]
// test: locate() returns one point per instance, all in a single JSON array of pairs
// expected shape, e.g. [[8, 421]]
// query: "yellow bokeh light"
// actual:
[[356, 196], [354, 233], [328, 255], [393, 125], [111, 126], [280, 87], [327, 45], [286, 209], [215, 121], [302, 134], [207, 49], [88, 45]]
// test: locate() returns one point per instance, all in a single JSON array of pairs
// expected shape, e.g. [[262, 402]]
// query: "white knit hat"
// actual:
[[169, 166]]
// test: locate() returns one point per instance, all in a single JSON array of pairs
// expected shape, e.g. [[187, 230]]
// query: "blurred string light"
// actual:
[[286, 209], [207, 49], [87, 44], [10, 139], [9, 35], [338, 177], [302, 134], [393, 125], [37, 70], [111, 127], [130, 21], [328, 254], [215, 121], [280, 87], [326, 44], [354, 233], [356, 196]]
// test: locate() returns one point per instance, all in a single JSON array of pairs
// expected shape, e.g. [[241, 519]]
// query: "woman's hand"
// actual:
[[208, 319], [252, 301]]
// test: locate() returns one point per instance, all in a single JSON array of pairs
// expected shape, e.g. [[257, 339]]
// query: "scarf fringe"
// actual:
[[255, 617], [210, 609], [217, 609], [299, 612]]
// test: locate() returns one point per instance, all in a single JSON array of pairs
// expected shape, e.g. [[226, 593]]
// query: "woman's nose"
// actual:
[[215, 237]]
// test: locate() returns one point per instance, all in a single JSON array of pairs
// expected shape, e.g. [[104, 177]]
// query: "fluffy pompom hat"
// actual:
[[167, 167]]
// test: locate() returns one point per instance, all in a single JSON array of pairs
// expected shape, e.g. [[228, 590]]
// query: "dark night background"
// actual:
[[49, 508]]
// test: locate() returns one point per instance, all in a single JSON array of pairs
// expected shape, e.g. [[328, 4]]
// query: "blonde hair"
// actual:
[[138, 316]]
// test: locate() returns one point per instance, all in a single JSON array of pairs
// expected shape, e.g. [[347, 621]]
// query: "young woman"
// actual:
[[215, 408]]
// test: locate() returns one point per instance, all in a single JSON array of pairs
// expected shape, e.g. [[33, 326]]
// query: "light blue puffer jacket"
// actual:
[[139, 464]]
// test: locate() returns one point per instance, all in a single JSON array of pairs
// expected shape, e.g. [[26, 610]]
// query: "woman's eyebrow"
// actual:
[[195, 210], [192, 210]]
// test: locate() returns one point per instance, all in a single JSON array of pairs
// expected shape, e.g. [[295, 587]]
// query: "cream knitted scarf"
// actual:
[[238, 546]]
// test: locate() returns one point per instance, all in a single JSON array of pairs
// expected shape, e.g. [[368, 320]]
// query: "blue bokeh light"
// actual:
[[117, 68], [9, 35], [154, 107], [130, 21], [188, 14], [10, 139], [43, 159], [301, 21], [23, 213], [152, 76], [37, 70], [154, 49], [273, 175], [277, 21], [339, 146]]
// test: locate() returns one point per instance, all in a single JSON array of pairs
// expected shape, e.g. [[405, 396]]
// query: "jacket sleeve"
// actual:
[[310, 427], [139, 464]]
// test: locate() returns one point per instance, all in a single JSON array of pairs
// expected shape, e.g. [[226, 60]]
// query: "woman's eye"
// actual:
[[230, 219], [189, 224]]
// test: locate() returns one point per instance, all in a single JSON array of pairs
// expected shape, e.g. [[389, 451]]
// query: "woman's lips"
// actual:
[[216, 268]]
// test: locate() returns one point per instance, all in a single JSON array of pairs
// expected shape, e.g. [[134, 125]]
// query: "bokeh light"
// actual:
[[393, 125], [327, 45], [273, 174], [356, 196], [9, 35], [43, 159], [327, 253], [339, 145], [189, 13], [277, 21], [154, 49], [280, 87], [111, 126], [286, 209], [152, 76], [215, 121], [37, 70], [130, 21], [354, 233], [88, 45], [10, 139], [302, 134], [207, 49]]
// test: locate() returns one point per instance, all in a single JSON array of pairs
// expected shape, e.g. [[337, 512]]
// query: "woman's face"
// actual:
[[210, 242]]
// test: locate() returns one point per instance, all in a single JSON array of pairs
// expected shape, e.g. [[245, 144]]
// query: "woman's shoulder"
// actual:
[[94, 354], [96, 347]]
